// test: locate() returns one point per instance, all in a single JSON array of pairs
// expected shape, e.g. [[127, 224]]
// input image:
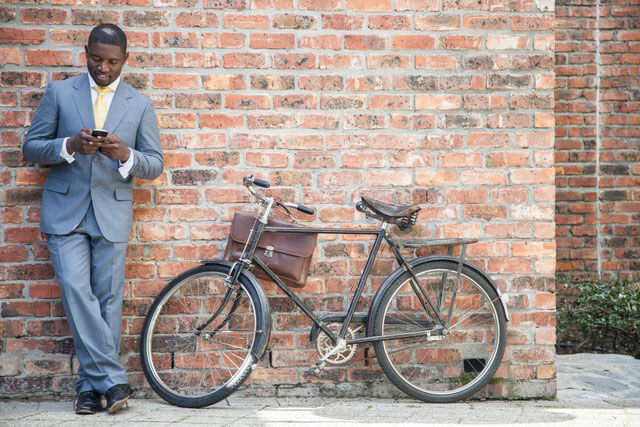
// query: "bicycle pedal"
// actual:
[[313, 370], [319, 366]]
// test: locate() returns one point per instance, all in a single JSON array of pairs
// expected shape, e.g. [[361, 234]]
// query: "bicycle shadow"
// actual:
[[407, 412], [349, 411]]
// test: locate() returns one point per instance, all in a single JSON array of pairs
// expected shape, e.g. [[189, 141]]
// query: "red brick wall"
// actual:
[[446, 103], [598, 138]]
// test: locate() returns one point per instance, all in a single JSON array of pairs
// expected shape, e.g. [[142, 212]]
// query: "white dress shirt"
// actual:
[[124, 167]]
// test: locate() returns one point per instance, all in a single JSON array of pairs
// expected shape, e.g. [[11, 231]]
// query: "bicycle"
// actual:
[[437, 323]]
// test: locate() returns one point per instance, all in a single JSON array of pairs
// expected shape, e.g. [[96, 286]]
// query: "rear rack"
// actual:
[[450, 243], [436, 242]]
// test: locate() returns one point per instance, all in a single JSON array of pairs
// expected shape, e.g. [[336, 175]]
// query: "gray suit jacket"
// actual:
[[65, 109]]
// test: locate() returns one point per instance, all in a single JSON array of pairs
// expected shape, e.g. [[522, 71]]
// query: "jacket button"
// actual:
[[93, 186]]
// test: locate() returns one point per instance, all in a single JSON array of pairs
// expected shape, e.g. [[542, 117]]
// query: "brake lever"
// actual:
[[288, 212]]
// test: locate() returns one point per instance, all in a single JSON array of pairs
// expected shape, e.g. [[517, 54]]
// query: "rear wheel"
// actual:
[[190, 359], [455, 361]]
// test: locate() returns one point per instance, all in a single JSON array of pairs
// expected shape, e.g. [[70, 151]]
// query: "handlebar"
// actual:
[[249, 181]]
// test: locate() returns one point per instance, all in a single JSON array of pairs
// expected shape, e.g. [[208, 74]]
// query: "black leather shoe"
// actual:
[[88, 402], [117, 396]]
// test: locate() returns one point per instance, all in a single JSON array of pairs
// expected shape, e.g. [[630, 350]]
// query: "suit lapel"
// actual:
[[82, 100], [118, 108]]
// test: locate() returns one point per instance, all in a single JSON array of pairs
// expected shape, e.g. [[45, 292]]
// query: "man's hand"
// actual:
[[84, 143], [114, 148]]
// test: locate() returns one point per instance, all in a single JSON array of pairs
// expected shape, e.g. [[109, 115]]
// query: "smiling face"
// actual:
[[105, 62]]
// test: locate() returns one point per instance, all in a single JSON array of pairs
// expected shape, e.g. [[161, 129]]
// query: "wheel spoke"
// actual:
[[464, 317]]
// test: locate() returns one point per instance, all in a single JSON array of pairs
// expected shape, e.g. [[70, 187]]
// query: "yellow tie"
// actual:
[[100, 106]]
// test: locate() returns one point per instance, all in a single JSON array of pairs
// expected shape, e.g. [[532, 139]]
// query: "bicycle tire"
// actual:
[[192, 369], [459, 363]]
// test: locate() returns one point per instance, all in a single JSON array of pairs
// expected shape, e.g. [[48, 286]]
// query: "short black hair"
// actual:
[[108, 34]]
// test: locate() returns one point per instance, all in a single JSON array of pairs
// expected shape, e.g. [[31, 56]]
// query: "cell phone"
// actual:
[[99, 132]]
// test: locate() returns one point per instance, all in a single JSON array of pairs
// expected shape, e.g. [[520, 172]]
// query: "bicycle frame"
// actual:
[[444, 312], [381, 235]]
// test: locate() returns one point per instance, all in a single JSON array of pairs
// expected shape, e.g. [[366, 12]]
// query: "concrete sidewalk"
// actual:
[[593, 389]]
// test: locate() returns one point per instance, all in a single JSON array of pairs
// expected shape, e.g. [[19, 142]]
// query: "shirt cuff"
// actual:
[[64, 153], [126, 166]]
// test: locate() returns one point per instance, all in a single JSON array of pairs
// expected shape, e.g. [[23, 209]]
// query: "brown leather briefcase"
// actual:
[[286, 254]]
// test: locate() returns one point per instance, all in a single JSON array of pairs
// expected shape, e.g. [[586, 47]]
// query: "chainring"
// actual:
[[324, 346]]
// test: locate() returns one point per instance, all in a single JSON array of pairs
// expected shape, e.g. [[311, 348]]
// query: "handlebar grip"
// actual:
[[305, 209], [261, 183]]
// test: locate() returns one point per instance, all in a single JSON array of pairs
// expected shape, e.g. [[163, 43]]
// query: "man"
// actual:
[[86, 203]]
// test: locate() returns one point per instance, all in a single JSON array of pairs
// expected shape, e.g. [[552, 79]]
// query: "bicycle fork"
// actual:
[[229, 281]]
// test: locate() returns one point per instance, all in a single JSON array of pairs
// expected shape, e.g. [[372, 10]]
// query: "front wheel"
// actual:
[[462, 351], [192, 358]]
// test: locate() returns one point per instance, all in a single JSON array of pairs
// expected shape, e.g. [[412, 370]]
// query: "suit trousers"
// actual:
[[90, 270]]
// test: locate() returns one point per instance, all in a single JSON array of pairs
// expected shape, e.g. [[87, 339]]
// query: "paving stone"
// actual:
[[600, 383], [592, 390]]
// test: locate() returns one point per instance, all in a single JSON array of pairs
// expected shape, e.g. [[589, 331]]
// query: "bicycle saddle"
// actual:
[[388, 210]]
